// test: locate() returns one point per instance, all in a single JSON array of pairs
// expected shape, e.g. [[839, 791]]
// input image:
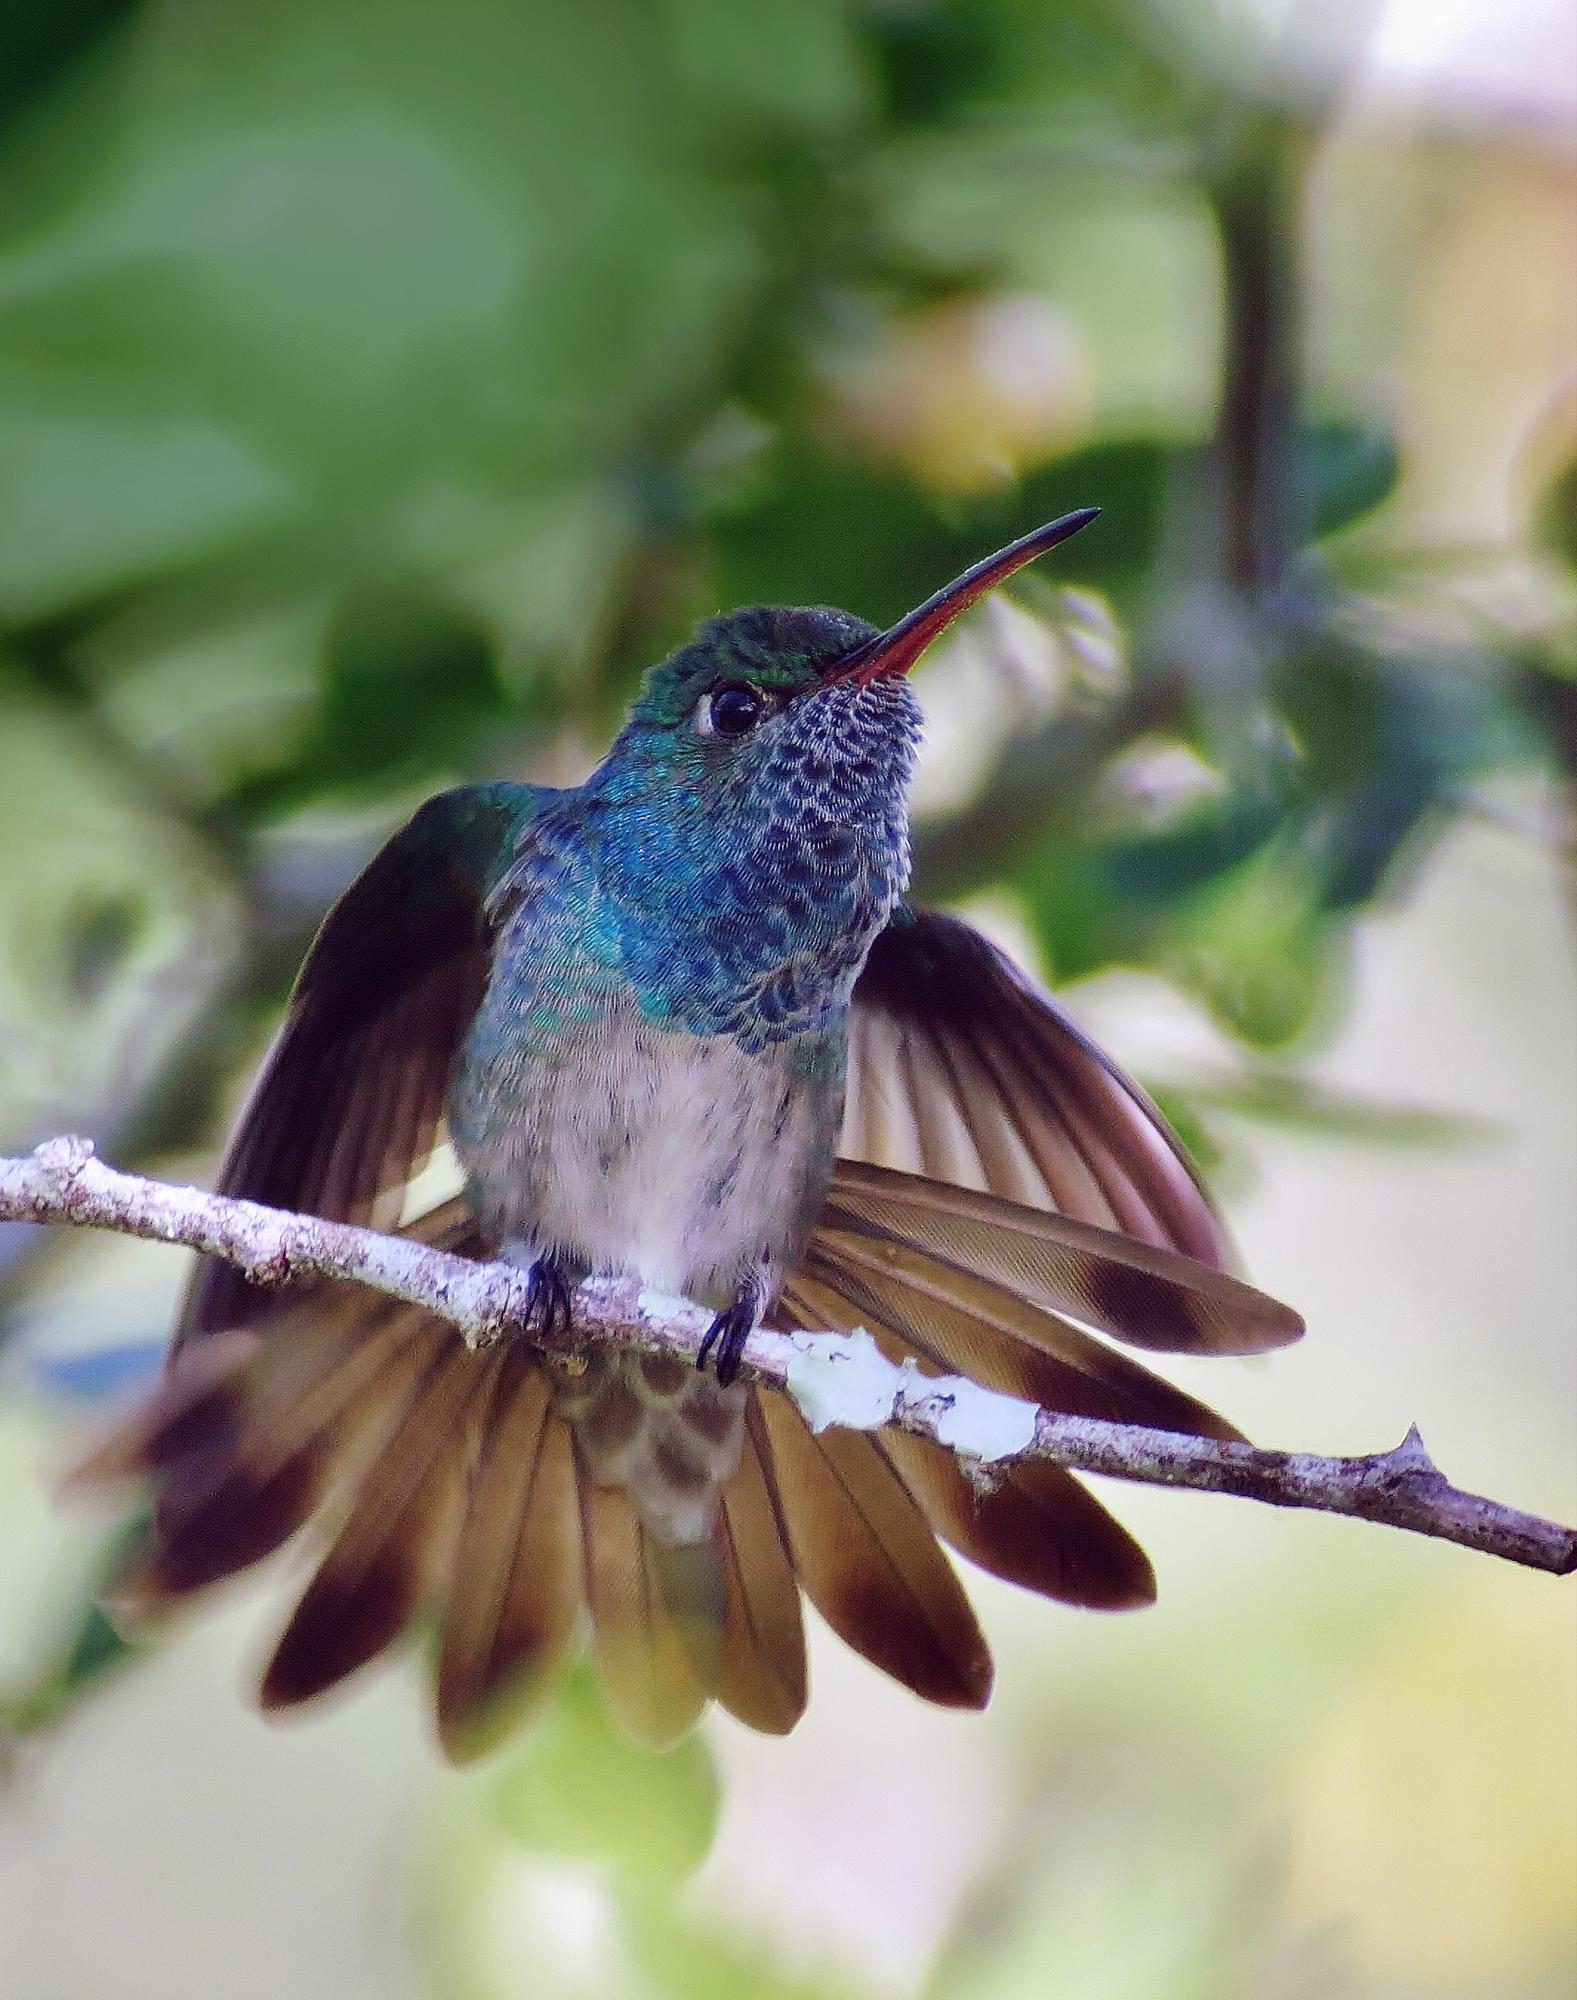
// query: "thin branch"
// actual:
[[834, 1378], [1254, 191]]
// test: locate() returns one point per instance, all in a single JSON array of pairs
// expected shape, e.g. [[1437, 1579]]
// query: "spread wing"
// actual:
[[1004, 1188], [347, 1105], [961, 1069]]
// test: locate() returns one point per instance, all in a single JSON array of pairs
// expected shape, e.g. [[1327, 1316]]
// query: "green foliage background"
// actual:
[[380, 391]]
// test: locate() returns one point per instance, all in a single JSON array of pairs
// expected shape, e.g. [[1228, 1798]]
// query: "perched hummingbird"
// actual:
[[679, 1023]]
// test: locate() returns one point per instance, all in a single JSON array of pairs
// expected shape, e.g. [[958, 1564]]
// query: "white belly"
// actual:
[[678, 1160]]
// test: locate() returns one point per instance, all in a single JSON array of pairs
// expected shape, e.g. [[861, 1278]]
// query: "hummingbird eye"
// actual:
[[733, 709]]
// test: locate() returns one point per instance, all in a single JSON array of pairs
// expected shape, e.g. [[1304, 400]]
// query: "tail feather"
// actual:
[[869, 1562], [648, 1671], [183, 1413], [1037, 1527], [245, 1455], [762, 1678], [398, 1526], [514, 1596], [689, 1579]]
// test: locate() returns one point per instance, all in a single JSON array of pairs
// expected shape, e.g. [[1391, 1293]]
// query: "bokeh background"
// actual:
[[381, 388]]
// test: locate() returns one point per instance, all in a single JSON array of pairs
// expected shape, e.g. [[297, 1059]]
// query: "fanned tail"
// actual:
[[502, 1500], [431, 1485]]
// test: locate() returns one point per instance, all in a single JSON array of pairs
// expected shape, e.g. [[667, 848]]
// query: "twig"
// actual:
[[835, 1378]]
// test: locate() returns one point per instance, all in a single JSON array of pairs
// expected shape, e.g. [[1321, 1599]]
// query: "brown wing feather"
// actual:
[[1149, 1297], [348, 1102], [962, 1069], [869, 1561]]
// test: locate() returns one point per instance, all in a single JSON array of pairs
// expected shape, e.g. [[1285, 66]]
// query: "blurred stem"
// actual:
[[1241, 543], [1255, 196]]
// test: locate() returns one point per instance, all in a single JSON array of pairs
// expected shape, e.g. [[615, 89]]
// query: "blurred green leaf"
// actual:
[[411, 688], [38, 45], [869, 541], [1344, 470], [836, 533], [1256, 948], [1088, 62], [91, 1652], [1388, 741], [876, 544], [1114, 899], [580, 1789], [1555, 519], [102, 932], [931, 60], [791, 60]]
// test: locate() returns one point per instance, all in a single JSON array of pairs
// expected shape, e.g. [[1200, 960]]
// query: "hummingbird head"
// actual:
[[758, 791], [757, 693]]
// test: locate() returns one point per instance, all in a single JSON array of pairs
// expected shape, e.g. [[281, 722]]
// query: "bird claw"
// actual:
[[728, 1333], [548, 1294]]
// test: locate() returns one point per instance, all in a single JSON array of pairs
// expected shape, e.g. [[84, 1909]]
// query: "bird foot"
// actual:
[[728, 1334], [548, 1295]]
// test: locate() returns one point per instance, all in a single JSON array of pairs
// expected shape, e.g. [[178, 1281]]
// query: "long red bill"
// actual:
[[896, 650]]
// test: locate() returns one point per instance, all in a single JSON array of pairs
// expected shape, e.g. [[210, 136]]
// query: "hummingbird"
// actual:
[[681, 1024]]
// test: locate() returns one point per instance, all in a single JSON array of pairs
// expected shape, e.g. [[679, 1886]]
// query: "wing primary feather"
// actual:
[[1072, 1184], [1149, 1296], [955, 1153], [996, 1154], [1032, 1089], [347, 1101]]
